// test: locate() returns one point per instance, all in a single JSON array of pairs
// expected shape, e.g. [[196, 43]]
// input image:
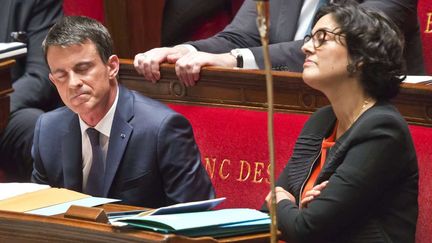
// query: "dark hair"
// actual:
[[72, 30], [375, 46]]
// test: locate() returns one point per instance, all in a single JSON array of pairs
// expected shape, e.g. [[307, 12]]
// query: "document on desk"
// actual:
[[214, 223], [44, 200], [12, 49], [414, 79]]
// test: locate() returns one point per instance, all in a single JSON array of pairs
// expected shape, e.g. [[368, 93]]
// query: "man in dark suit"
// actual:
[[109, 141], [289, 21], [26, 21]]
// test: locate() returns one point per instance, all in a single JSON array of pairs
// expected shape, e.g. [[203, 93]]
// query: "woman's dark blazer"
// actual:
[[373, 181]]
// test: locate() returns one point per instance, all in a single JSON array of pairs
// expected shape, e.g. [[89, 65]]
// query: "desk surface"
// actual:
[[20, 227]]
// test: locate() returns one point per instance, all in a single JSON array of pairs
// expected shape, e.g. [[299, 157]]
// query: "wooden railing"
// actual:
[[246, 88]]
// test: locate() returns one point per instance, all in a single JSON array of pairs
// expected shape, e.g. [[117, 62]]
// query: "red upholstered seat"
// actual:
[[422, 137], [234, 149]]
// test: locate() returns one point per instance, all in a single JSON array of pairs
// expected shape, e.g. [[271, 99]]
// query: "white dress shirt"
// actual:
[[104, 128]]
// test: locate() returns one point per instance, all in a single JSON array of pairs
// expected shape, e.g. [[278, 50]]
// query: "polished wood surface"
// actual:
[[5, 90], [20, 227], [247, 89], [135, 25]]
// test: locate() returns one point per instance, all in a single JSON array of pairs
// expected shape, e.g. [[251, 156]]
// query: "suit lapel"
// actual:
[[285, 26], [71, 150], [121, 131]]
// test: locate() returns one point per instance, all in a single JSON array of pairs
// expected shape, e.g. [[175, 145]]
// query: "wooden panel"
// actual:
[[5, 90], [246, 88], [135, 25]]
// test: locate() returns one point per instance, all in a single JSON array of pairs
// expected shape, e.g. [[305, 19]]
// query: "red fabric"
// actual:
[[210, 26], [226, 137], [422, 137], [425, 8], [215, 23], [90, 8]]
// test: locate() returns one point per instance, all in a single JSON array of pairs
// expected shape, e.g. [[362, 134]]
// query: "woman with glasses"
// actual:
[[353, 175]]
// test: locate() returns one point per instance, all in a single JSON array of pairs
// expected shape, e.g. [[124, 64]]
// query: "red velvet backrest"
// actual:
[[234, 149], [90, 8], [422, 137], [425, 18]]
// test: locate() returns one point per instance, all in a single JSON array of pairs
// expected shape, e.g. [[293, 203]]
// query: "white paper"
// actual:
[[62, 208], [8, 190], [414, 79], [12, 49]]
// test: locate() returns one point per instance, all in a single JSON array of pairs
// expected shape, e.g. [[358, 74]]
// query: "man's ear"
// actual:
[[113, 65], [52, 78]]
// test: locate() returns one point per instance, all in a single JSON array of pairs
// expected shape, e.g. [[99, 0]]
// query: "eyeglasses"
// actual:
[[319, 37]]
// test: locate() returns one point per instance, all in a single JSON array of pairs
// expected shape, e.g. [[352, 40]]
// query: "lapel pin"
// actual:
[[122, 135]]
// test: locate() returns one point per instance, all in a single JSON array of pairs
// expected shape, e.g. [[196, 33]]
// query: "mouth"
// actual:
[[79, 97], [308, 62]]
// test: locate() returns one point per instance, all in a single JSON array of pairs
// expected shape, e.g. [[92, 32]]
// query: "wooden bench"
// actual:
[[227, 112]]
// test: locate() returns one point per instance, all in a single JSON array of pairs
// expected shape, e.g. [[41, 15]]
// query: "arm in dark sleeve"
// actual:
[[39, 175], [242, 32], [184, 176], [33, 88], [370, 169]]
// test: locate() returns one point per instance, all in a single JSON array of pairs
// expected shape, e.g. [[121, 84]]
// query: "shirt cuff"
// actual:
[[248, 59]]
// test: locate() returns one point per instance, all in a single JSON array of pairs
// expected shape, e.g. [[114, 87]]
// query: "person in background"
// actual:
[[180, 15], [238, 45], [353, 174], [109, 141], [26, 21]]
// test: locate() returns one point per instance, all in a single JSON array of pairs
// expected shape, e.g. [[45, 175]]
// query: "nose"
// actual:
[[74, 80], [308, 47]]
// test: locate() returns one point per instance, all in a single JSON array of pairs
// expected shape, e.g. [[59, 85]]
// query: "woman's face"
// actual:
[[326, 55]]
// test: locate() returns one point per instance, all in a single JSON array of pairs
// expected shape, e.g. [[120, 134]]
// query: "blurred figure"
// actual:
[[353, 174], [26, 21], [238, 45], [180, 16]]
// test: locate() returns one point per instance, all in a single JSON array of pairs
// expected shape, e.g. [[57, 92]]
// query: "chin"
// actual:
[[310, 81]]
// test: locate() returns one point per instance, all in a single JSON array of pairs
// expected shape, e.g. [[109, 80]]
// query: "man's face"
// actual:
[[85, 84]]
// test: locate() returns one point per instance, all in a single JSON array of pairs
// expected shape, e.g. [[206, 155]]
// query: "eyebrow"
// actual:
[[80, 64]]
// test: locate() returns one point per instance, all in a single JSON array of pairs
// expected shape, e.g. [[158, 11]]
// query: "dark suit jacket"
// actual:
[[32, 87], [286, 53], [152, 159]]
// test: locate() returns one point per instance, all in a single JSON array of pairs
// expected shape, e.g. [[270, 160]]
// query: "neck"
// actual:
[[95, 116], [348, 106]]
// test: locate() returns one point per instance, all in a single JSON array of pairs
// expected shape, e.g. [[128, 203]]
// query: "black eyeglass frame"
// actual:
[[322, 38]]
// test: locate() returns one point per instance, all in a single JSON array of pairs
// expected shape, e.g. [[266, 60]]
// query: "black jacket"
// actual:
[[373, 181]]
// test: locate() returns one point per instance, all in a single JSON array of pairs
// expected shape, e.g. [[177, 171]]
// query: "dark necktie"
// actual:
[[95, 180]]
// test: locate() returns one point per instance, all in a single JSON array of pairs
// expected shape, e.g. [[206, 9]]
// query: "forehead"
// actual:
[[326, 22], [59, 56]]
